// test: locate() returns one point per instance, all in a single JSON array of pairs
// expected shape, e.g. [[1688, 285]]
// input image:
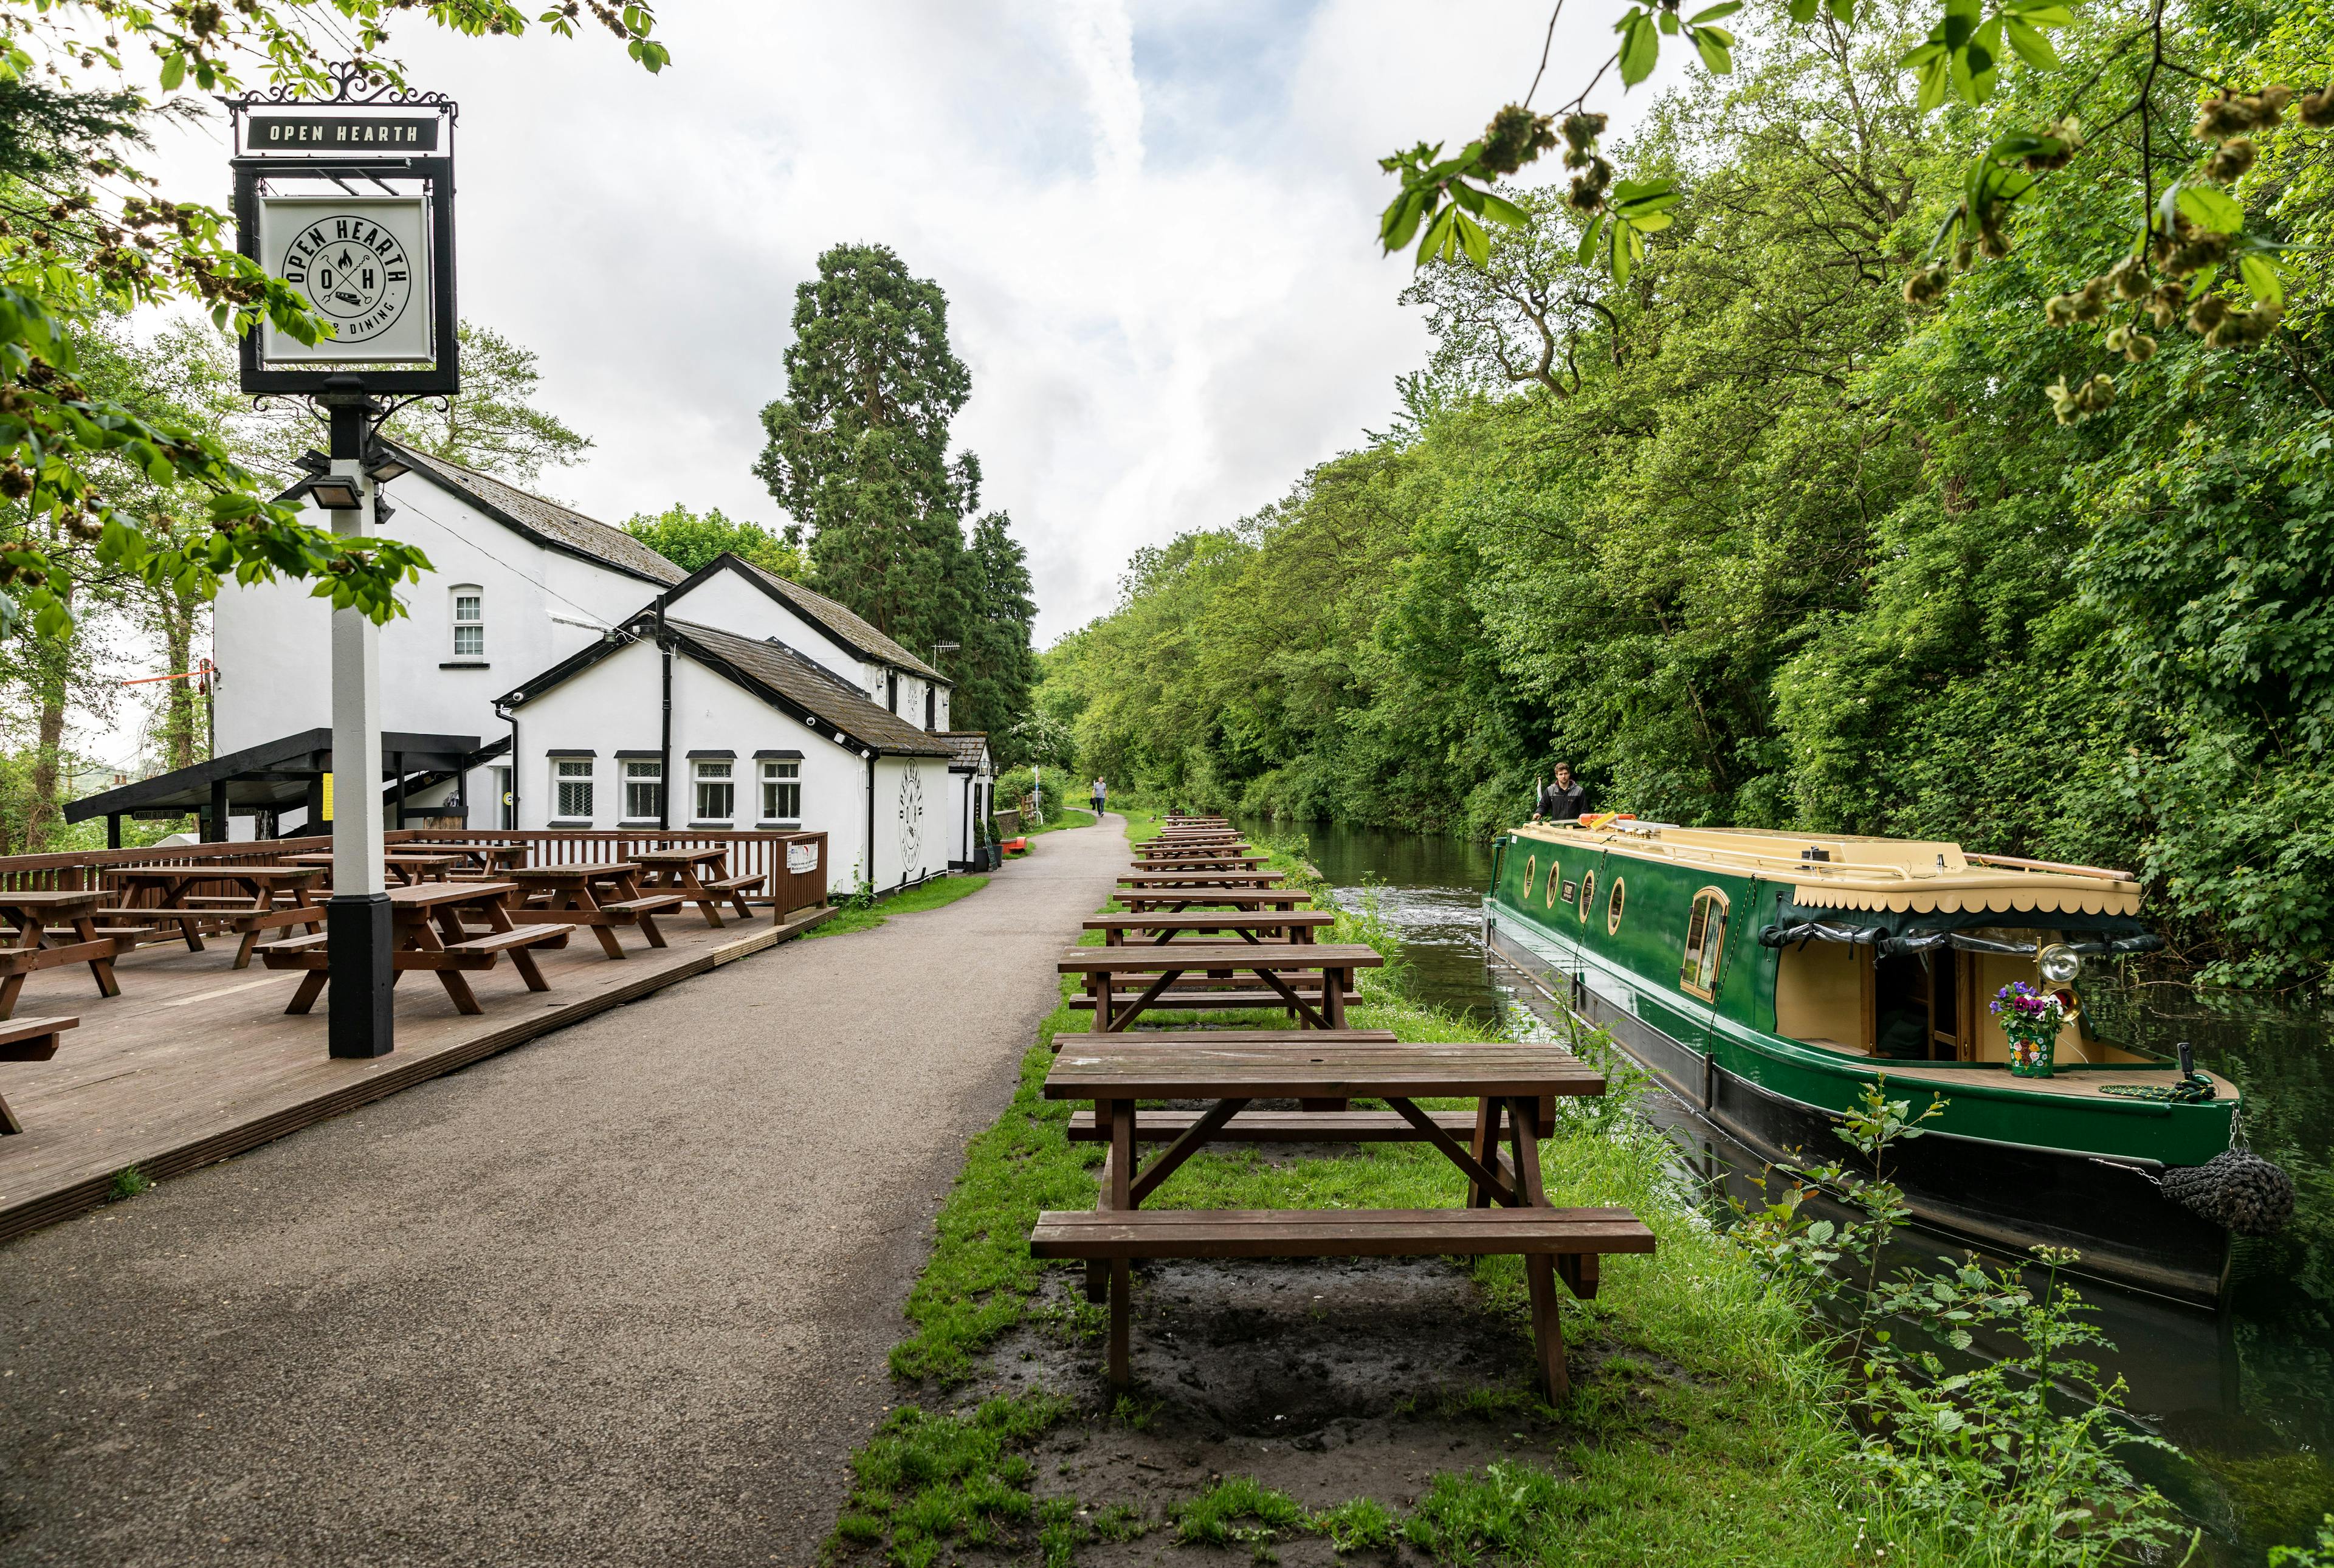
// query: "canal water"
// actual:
[[2246, 1392]]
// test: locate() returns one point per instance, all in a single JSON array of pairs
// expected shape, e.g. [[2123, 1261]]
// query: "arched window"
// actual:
[[1555, 873], [469, 602], [1587, 893], [1532, 874], [1613, 905], [1705, 944]]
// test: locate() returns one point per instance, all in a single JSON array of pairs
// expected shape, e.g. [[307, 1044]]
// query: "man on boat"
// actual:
[[1561, 799]]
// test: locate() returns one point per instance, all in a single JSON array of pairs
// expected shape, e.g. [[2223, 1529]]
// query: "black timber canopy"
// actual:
[[277, 776]]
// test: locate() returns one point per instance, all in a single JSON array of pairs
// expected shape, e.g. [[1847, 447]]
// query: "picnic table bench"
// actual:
[[684, 870], [1509, 1082], [176, 904], [1314, 980], [30, 911], [1249, 925], [570, 894], [490, 860], [1204, 861], [1201, 879], [28, 1040], [429, 933]]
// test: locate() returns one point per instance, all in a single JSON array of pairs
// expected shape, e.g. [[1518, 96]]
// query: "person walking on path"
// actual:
[[1101, 797], [1561, 800]]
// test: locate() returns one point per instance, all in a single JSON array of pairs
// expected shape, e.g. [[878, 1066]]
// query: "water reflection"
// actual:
[[2247, 1392]]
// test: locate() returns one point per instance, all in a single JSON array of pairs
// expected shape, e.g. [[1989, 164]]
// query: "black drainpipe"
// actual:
[[664, 745], [871, 819]]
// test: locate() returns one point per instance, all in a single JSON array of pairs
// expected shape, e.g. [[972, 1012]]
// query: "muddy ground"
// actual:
[[1328, 1379]]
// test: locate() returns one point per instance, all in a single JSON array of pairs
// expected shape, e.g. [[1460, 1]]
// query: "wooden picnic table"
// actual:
[[682, 871], [1174, 901], [1287, 970], [492, 858], [1197, 861], [429, 933], [571, 894], [174, 902], [1249, 925], [409, 868], [1249, 878], [28, 1040], [30, 912], [1509, 1082]]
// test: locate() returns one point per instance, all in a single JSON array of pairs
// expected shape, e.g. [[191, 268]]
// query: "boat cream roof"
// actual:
[[1900, 876]]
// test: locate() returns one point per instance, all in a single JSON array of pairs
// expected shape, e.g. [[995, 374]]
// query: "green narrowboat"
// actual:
[[1766, 978]]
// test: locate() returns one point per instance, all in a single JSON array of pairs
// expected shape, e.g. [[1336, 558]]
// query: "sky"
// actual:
[[1155, 224]]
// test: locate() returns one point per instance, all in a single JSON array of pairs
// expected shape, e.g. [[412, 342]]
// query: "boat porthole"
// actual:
[[1612, 907], [1555, 870], [1531, 874], [1587, 893]]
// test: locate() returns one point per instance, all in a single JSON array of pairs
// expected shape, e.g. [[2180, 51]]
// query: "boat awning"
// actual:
[[1794, 922], [2002, 897]]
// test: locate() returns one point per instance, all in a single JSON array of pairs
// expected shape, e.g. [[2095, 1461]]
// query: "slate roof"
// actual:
[[846, 628], [546, 520], [968, 744], [808, 685]]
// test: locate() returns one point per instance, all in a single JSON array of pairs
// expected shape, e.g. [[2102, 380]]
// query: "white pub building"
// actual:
[[555, 672]]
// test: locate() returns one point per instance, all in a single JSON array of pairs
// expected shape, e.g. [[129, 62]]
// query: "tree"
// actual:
[[692, 541], [84, 237], [858, 447], [995, 668], [491, 424]]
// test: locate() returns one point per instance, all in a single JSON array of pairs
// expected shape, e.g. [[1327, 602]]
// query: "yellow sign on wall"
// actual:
[[328, 798]]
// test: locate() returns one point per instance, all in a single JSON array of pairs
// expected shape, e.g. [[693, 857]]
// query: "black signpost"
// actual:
[[350, 198]]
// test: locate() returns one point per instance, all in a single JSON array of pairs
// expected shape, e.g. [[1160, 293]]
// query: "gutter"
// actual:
[[664, 741]]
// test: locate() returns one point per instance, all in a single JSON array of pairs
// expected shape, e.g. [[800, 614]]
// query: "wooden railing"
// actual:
[[794, 864]]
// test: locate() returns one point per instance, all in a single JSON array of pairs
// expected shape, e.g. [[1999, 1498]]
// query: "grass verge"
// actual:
[[1703, 1431], [935, 894]]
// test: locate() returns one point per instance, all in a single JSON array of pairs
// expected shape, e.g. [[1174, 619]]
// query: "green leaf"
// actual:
[[2213, 208], [1641, 46], [1438, 235], [1501, 210], [2032, 47], [174, 71], [1713, 45], [1466, 196], [1402, 219], [1473, 240], [2261, 275], [1713, 13], [1934, 79], [1669, 22], [1843, 11], [1634, 195], [1803, 11], [1649, 223], [1589, 238]]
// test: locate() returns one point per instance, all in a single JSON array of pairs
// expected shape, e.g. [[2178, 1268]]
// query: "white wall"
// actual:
[[617, 706], [730, 601], [914, 827]]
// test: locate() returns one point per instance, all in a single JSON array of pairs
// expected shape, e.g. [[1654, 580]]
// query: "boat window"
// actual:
[[1532, 871], [1587, 893], [1705, 944], [1613, 905], [1553, 871]]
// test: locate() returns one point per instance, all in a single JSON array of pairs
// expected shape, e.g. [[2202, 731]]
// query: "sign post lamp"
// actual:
[[351, 200]]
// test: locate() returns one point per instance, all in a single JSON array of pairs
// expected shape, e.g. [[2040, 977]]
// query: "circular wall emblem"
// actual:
[[354, 272], [912, 818]]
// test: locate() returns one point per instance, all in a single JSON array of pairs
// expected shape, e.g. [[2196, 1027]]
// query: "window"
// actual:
[[470, 623], [645, 791], [1612, 907], [1532, 871], [572, 775], [1553, 872], [1705, 944], [1587, 893], [716, 795], [781, 792], [931, 707]]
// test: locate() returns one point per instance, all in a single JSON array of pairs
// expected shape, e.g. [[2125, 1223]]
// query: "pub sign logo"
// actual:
[[362, 262]]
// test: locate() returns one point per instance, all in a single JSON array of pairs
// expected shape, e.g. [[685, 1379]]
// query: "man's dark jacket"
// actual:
[[1562, 805]]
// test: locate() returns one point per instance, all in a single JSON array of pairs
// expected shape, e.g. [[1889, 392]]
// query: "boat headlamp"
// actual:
[[2058, 963]]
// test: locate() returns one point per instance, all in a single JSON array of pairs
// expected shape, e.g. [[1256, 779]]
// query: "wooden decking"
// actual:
[[196, 1062]]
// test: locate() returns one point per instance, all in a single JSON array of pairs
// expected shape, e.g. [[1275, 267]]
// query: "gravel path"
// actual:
[[621, 1295]]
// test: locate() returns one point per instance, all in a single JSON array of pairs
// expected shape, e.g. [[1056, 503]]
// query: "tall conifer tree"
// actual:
[[858, 447], [997, 668]]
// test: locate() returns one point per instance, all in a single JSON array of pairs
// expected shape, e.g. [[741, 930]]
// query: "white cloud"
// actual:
[[1154, 223]]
